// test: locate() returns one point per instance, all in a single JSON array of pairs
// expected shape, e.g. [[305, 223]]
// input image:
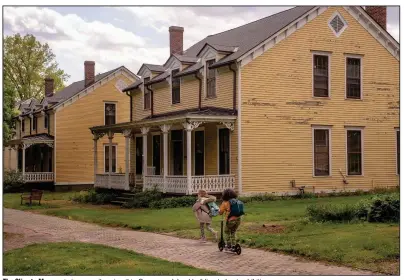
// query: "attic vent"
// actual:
[[337, 24]]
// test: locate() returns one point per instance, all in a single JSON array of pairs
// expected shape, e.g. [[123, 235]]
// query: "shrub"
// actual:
[[12, 181], [94, 197], [330, 212], [384, 208], [143, 199], [173, 202]]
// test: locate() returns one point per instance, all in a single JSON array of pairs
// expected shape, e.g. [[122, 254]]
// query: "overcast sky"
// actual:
[[130, 36]]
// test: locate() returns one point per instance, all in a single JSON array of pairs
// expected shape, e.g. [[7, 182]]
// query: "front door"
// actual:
[[139, 155], [156, 154], [199, 152], [177, 151]]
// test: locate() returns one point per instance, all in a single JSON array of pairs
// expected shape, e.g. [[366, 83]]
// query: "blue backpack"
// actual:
[[236, 208], [213, 209]]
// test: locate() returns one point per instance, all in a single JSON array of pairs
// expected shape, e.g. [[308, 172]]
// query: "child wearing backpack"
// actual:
[[203, 214], [233, 210]]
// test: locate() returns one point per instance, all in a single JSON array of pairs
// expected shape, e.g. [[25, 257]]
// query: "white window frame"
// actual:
[[116, 110], [397, 158], [218, 149], [206, 77], [342, 19], [171, 85], [355, 128], [204, 149], [360, 57], [322, 53], [116, 157], [322, 127], [144, 92]]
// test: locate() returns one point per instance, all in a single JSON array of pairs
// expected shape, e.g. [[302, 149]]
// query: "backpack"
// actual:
[[236, 208], [213, 209]]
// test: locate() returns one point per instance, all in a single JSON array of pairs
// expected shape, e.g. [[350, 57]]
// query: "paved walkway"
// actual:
[[36, 228]]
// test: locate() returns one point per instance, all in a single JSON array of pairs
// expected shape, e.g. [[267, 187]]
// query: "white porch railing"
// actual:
[[212, 183], [178, 184], [117, 181], [38, 177]]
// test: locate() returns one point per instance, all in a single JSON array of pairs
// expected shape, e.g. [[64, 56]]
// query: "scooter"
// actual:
[[222, 244]]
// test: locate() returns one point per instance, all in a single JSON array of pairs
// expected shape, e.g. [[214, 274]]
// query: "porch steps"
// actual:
[[123, 198]]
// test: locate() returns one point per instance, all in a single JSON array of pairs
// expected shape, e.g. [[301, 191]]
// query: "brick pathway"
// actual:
[[41, 228]]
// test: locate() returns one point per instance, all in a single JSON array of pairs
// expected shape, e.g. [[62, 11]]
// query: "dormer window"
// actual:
[[175, 87], [146, 95], [210, 79]]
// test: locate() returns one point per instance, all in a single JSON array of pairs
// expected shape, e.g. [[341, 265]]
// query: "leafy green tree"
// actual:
[[9, 111], [27, 62]]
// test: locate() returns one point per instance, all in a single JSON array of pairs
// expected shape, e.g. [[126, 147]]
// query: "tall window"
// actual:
[[106, 159], [353, 78], [147, 95], [320, 76], [23, 125], [398, 151], [224, 151], [175, 87], [110, 113], [321, 152], [354, 150], [46, 121], [210, 80], [34, 123]]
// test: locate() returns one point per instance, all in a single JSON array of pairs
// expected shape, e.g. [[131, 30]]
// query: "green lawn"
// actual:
[[87, 259], [360, 245]]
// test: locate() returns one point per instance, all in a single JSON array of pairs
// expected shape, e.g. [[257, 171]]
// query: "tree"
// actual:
[[27, 62], [9, 111]]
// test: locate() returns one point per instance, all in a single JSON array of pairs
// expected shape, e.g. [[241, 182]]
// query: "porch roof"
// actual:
[[32, 140], [208, 114]]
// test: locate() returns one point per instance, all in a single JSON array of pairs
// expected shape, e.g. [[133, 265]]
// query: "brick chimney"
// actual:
[[89, 73], [378, 13], [49, 87], [176, 39]]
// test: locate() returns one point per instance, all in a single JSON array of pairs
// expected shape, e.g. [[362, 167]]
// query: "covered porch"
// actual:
[[35, 156], [178, 154]]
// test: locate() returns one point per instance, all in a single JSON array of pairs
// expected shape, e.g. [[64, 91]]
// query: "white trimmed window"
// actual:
[[210, 79], [321, 151], [110, 113], [106, 158], [321, 74], [175, 87], [146, 94], [354, 146], [353, 77]]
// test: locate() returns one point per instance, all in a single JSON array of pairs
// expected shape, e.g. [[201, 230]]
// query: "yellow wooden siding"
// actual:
[[138, 112], [224, 90], [9, 159], [74, 144], [278, 110]]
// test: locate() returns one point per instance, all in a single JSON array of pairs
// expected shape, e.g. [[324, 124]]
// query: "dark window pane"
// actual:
[[23, 125], [354, 148], [398, 151], [110, 113], [147, 94], [321, 152], [46, 120], [34, 121], [320, 75], [224, 151], [175, 87], [107, 159], [210, 79], [353, 78]]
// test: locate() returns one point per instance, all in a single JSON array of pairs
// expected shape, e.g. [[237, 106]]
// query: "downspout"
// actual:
[[234, 88], [151, 100], [130, 105], [200, 91]]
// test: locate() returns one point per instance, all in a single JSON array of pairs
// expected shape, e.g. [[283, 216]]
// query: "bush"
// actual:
[[173, 202], [12, 181], [143, 199], [380, 208], [94, 197]]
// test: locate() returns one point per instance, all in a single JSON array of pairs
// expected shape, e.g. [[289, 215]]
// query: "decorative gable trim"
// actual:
[[144, 71], [172, 63], [125, 72], [281, 34], [381, 35]]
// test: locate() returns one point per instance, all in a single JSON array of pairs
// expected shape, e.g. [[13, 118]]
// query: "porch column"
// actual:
[[189, 126], [127, 133], [165, 128], [23, 161], [145, 131], [95, 138], [110, 137]]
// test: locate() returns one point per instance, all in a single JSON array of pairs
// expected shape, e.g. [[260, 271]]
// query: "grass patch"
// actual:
[[88, 259]]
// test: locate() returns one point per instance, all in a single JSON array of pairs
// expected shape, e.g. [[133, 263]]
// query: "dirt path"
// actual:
[[25, 228]]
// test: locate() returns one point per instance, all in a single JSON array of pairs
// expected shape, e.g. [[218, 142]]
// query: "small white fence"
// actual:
[[38, 177]]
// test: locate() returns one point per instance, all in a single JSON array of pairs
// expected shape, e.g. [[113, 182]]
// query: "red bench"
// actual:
[[34, 195]]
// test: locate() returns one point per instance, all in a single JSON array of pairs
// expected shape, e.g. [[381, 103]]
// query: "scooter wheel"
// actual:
[[238, 249]]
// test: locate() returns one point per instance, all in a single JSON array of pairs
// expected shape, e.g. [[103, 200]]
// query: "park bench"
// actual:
[[34, 195]]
